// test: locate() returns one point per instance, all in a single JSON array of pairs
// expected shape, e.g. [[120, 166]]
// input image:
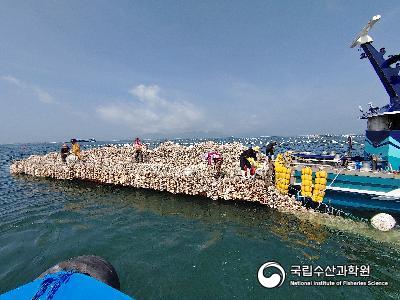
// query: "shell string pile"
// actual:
[[170, 167]]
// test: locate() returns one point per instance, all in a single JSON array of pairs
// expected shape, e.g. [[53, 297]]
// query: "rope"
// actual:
[[54, 282], [335, 177], [326, 208], [330, 210]]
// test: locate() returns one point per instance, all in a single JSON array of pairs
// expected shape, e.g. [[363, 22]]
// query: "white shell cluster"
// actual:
[[170, 167]]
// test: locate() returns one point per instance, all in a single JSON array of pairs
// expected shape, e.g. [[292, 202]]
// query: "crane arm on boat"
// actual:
[[388, 75]]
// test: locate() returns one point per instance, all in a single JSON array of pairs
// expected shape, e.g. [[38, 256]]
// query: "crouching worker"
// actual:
[[248, 157], [76, 149], [216, 159], [64, 152], [138, 150]]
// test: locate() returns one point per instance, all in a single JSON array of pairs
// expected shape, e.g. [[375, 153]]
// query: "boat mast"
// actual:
[[388, 75]]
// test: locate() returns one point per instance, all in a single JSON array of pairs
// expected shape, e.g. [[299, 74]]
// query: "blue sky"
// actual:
[[120, 69]]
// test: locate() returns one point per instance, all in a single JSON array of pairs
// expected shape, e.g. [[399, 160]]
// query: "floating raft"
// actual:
[[170, 167]]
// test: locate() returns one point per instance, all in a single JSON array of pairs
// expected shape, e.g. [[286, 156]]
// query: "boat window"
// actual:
[[395, 122]]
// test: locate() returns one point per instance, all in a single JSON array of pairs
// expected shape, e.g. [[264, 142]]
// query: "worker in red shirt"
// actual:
[[138, 150], [215, 158]]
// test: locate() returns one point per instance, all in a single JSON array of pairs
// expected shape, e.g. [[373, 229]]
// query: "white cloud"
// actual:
[[148, 94], [151, 113], [13, 80], [41, 94]]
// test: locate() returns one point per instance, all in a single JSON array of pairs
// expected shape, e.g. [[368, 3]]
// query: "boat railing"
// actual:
[[310, 164]]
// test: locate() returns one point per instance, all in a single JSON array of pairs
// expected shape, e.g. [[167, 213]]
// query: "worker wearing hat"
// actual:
[[64, 152], [245, 163]]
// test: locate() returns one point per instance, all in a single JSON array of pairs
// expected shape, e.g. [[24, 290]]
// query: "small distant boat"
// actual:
[[87, 141]]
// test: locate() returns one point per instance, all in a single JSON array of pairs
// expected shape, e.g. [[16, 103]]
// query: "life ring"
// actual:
[[91, 265]]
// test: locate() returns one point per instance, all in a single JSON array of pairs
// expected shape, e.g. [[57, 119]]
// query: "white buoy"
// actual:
[[383, 222]]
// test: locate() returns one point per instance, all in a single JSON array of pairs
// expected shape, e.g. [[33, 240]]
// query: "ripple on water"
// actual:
[[168, 246]]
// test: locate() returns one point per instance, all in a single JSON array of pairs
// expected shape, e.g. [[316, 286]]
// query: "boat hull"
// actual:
[[361, 190]]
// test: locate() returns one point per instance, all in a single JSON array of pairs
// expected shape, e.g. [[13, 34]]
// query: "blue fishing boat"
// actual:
[[371, 181]]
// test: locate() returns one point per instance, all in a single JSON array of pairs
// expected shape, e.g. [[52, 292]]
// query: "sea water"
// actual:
[[168, 246]]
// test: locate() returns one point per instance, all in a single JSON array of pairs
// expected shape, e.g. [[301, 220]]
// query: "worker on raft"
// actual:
[[76, 149], [248, 161], [270, 173], [349, 145], [64, 152], [215, 158], [138, 150], [269, 150]]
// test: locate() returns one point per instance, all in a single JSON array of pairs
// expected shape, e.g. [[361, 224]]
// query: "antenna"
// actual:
[[363, 36]]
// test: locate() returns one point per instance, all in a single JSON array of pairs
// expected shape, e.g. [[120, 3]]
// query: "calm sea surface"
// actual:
[[167, 246]]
